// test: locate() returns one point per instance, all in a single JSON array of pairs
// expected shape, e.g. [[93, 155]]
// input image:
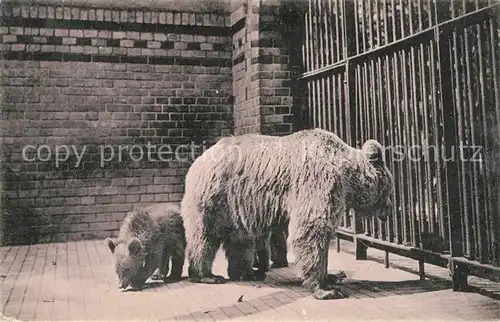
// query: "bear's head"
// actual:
[[384, 185], [129, 259]]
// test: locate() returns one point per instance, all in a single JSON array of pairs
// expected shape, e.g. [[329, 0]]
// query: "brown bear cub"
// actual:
[[148, 239]]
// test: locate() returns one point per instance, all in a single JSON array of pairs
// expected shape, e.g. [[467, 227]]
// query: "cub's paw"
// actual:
[[172, 278], [158, 277], [134, 288], [332, 294]]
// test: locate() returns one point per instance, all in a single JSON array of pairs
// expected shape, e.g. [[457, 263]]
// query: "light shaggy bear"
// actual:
[[237, 189], [148, 239]]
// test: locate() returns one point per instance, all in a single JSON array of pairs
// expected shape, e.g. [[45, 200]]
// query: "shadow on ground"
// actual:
[[290, 291]]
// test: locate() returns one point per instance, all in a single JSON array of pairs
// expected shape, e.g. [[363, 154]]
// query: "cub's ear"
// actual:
[[134, 246], [111, 242]]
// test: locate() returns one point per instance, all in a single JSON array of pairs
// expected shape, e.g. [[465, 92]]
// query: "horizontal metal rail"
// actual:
[[331, 69], [485, 271]]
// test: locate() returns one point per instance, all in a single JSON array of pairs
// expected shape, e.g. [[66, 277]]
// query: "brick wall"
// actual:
[[108, 90], [83, 82]]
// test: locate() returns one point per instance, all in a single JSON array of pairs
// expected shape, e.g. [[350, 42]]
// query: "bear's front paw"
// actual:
[[259, 275], [332, 294], [216, 279], [336, 279]]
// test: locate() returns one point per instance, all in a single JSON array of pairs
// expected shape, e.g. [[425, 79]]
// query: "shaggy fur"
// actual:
[[241, 186], [149, 238]]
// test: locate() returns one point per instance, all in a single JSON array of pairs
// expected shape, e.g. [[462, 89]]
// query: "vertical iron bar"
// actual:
[[327, 18], [321, 33], [371, 39], [386, 23], [406, 136], [495, 220], [458, 101], [314, 59], [355, 29], [438, 135], [401, 2], [429, 196], [323, 50], [371, 109], [472, 142], [486, 204], [341, 34], [330, 106], [349, 50], [363, 26], [338, 34], [416, 140], [308, 51], [394, 29], [400, 130], [393, 234], [383, 128], [343, 122], [379, 19], [419, 12], [451, 169]]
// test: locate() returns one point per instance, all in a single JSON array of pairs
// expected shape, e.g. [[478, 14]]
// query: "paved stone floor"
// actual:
[[75, 281]]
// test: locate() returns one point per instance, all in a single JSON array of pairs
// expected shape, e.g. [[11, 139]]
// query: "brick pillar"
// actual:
[[245, 25], [265, 82], [279, 65]]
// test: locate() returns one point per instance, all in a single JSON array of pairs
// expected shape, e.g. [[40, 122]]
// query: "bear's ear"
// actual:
[[134, 246], [373, 151], [111, 242]]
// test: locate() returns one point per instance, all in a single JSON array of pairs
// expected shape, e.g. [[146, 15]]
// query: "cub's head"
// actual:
[[129, 261]]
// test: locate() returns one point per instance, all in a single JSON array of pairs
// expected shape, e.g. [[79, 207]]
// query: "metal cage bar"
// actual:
[[422, 73]]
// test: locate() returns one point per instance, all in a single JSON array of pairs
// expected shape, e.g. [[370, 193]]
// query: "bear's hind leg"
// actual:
[[201, 258], [263, 254], [311, 246], [240, 255], [279, 248]]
